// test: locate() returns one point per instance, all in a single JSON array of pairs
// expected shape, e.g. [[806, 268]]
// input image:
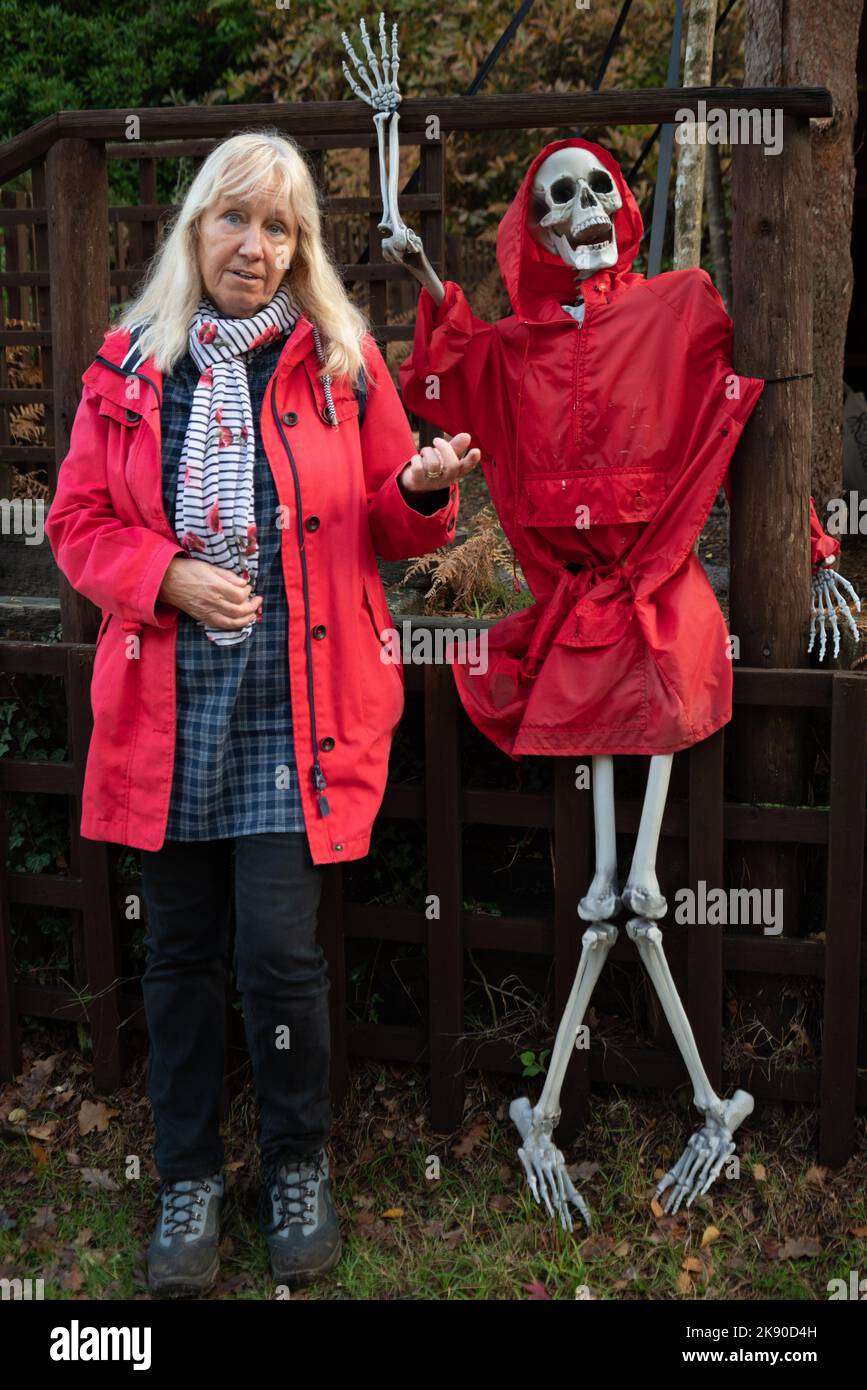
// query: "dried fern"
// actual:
[[465, 577]]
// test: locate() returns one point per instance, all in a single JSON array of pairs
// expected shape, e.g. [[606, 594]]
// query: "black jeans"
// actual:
[[282, 977]]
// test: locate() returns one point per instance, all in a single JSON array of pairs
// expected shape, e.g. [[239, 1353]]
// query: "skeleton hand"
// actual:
[[705, 1153], [383, 95], [544, 1164], [826, 592]]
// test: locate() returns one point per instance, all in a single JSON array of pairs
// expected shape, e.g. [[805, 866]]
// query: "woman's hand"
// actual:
[[445, 455], [217, 597]]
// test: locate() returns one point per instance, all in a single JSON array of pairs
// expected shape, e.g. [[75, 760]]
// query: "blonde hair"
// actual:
[[173, 285]]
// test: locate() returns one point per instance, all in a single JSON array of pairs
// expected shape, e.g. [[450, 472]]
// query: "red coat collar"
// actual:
[[142, 390]]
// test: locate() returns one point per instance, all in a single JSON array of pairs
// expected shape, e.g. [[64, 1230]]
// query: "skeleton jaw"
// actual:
[[585, 255]]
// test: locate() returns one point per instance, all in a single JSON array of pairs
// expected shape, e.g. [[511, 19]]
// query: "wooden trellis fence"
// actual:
[[80, 261]]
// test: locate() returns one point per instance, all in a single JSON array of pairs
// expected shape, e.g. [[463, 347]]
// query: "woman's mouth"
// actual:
[[247, 276]]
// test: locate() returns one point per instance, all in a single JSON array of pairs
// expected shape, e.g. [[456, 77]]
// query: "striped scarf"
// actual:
[[215, 516]]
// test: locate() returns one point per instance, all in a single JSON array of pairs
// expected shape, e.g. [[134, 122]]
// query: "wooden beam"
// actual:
[[501, 111], [78, 251]]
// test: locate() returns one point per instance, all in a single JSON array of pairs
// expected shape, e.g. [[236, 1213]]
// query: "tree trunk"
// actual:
[[813, 43], [716, 225], [689, 187]]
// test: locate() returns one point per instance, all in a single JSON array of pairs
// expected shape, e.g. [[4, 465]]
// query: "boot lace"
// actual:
[[288, 1184], [180, 1207]]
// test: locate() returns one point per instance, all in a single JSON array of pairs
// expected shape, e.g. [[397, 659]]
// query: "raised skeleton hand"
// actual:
[[401, 245]]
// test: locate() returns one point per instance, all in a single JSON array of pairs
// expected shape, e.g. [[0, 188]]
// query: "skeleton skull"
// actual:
[[572, 208]]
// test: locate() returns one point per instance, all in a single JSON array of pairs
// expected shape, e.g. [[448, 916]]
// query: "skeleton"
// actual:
[[574, 202]]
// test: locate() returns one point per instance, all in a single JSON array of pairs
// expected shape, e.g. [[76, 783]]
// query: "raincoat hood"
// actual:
[[536, 280]]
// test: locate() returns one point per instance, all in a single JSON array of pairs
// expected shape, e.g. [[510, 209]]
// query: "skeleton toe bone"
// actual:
[[544, 1163], [706, 1151]]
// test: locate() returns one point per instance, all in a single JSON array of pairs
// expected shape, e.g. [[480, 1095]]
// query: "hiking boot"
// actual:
[[182, 1255], [297, 1217]]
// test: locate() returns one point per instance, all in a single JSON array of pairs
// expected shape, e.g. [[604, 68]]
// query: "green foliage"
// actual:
[[89, 56], [532, 1066]]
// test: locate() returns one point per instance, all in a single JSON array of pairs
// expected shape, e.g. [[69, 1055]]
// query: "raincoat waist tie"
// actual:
[[590, 608]]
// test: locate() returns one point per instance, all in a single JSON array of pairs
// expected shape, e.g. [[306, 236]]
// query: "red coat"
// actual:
[[604, 447], [110, 536]]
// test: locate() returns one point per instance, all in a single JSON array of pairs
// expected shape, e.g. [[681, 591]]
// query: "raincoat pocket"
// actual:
[[374, 685], [594, 497]]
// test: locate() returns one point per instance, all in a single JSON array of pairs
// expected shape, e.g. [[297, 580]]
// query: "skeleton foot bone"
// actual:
[[544, 1164], [706, 1152], [707, 1149]]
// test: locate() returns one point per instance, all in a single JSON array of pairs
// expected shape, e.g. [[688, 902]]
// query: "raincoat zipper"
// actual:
[[319, 781]]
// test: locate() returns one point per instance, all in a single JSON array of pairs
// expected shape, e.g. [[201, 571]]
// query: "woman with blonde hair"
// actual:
[[238, 459]]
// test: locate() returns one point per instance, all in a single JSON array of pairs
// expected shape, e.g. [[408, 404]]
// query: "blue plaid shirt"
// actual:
[[235, 771]]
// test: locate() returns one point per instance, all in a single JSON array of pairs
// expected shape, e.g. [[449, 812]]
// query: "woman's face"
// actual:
[[245, 248]]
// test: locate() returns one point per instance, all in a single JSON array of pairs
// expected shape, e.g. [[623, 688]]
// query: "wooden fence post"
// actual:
[[78, 257], [770, 535]]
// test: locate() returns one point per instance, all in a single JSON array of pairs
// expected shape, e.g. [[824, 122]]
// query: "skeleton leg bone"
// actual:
[[641, 894], [601, 900], [707, 1149], [543, 1162]]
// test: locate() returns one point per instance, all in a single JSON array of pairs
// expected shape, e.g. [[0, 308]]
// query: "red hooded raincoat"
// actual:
[[604, 447], [340, 497]]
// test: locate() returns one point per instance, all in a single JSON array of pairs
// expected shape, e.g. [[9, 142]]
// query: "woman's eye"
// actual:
[[278, 228], [227, 215]]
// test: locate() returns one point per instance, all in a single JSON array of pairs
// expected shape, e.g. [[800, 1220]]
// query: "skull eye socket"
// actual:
[[600, 182], [563, 189]]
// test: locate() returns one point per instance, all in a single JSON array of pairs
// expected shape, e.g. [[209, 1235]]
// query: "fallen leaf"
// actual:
[[502, 1202], [474, 1135], [98, 1178], [43, 1131], [760, 1172], [536, 1290], [394, 1213], [582, 1171], [43, 1219], [858, 1231], [684, 1283], [94, 1115], [816, 1175], [17, 1117], [84, 1236], [623, 1248], [693, 1265], [40, 1154], [596, 1245], [710, 1235], [72, 1279], [797, 1249], [656, 1208], [73, 1158]]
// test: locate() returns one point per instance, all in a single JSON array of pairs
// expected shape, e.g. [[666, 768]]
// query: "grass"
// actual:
[[782, 1229]]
